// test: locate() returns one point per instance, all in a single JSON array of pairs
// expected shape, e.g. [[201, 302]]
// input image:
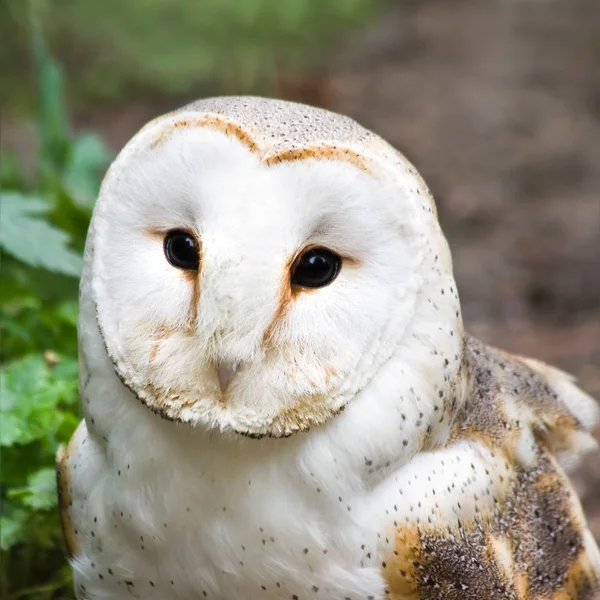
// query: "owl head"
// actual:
[[253, 264]]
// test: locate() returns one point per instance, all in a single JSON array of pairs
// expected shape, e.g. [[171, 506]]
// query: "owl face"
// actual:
[[246, 287]]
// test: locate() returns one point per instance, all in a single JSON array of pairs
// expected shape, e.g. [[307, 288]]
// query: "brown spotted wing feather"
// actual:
[[527, 537]]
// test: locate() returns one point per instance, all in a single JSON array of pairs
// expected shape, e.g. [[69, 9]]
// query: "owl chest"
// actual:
[[231, 529]]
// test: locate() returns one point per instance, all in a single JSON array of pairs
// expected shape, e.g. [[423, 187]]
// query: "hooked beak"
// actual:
[[225, 374]]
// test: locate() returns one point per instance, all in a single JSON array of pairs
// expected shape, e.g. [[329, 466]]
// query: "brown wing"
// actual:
[[524, 537], [509, 394]]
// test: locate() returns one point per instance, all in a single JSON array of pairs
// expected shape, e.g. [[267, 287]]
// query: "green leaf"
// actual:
[[30, 393], [10, 170], [52, 120], [35, 241], [88, 155], [68, 312], [12, 529], [12, 429], [40, 492]]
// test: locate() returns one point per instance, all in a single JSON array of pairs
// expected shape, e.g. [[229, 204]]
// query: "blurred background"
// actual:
[[496, 102]]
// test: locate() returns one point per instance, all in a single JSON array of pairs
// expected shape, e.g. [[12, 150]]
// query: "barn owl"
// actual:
[[279, 397]]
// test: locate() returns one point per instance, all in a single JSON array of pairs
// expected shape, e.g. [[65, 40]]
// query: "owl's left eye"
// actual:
[[316, 268], [181, 250]]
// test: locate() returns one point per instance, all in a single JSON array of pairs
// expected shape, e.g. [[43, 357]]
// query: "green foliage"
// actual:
[[43, 225], [185, 47], [31, 239]]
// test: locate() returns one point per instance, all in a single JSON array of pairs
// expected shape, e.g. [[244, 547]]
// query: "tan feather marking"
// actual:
[[285, 297], [454, 563], [211, 121], [319, 152], [330, 373], [489, 424], [63, 484], [219, 123], [401, 573], [498, 551], [161, 333], [195, 298], [154, 334], [306, 412], [580, 584], [522, 586]]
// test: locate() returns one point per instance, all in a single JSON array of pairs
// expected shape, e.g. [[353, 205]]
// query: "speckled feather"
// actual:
[[366, 449]]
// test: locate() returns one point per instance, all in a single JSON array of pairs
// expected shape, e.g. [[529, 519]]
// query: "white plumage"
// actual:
[[246, 436]]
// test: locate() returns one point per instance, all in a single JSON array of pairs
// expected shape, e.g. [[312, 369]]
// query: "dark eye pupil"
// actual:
[[181, 250], [316, 268]]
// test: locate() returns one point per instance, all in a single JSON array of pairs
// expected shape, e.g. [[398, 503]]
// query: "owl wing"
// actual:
[[66, 460], [493, 514], [510, 394]]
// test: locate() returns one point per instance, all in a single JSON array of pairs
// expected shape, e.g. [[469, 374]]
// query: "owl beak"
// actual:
[[225, 373]]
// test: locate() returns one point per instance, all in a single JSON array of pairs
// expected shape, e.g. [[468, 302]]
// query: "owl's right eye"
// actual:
[[181, 250]]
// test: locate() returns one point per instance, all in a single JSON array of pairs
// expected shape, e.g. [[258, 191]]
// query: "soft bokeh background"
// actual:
[[497, 102]]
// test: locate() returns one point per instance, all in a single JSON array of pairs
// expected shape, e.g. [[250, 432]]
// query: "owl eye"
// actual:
[[315, 268], [181, 250]]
